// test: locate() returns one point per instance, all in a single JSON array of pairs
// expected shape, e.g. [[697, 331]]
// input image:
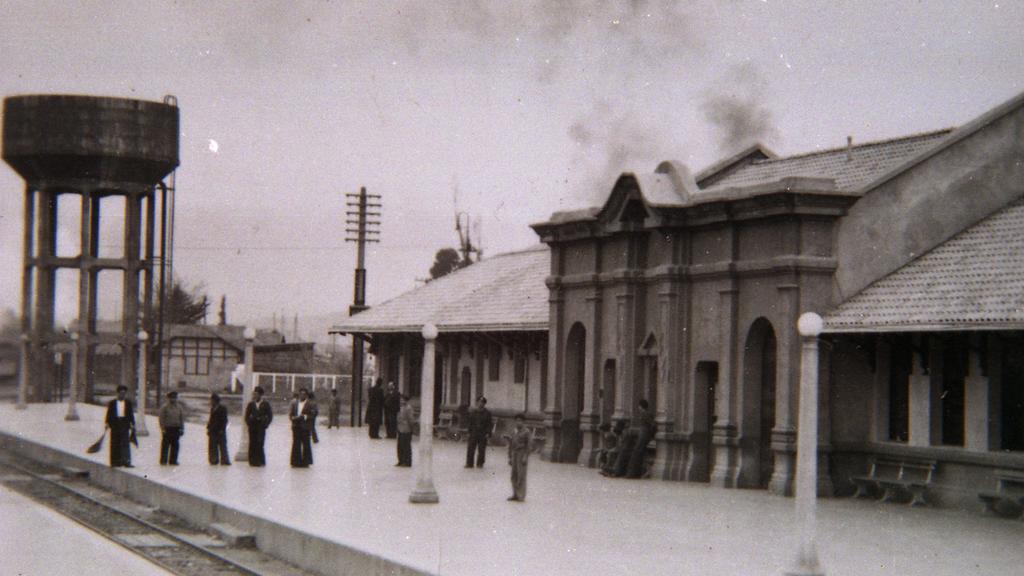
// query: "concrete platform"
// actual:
[[349, 513]]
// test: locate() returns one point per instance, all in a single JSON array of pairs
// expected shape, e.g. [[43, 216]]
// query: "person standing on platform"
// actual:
[[121, 421], [258, 416], [392, 403], [172, 428], [480, 426], [334, 410], [405, 423], [302, 413], [375, 409], [217, 431], [519, 443]]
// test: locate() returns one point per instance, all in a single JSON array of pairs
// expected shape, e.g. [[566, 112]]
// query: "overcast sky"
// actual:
[[524, 108]]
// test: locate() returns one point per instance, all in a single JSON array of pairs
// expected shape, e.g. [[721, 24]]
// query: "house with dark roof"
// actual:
[[492, 319], [684, 290], [203, 356]]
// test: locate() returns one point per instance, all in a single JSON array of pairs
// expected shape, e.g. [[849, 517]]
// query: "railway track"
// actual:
[[166, 540]]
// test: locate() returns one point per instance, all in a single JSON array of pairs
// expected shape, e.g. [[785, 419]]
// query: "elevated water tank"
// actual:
[[60, 139]]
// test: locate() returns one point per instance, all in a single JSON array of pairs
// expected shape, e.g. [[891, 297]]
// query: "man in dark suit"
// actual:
[[480, 426], [303, 415], [121, 421], [375, 409], [258, 416], [217, 430], [392, 404]]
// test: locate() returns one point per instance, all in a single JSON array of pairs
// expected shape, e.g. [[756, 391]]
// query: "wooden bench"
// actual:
[[1008, 497], [444, 426], [540, 434], [894, 477]]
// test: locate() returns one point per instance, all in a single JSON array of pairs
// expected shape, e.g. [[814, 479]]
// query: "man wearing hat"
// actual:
[[480, 426], [172, 426], [121, 421]]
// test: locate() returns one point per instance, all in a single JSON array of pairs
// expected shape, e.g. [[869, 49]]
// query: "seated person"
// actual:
[[630, 460], [611, 438]]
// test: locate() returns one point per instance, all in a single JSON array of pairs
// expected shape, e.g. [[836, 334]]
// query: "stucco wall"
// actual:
[[912, 213]]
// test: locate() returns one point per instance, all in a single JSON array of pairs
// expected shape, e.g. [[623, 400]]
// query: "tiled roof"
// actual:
[[974, 280], [851, 168], [501, 293]]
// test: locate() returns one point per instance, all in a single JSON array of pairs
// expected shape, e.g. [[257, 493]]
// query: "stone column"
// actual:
[[783, 441], [920, 401], [72, 414], [27, 268], [23, 371], [551, 403], [425, 492], [810, 326], [724, 435], [590, 412], [141, 395], [667, 452], [977, 409], [249, 383], [882, 390]]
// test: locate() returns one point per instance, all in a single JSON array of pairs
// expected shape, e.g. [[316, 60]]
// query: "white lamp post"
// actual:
[[248, 383], [23, 374], [140, 424], [425, 492], [810, 326], [72, 414]]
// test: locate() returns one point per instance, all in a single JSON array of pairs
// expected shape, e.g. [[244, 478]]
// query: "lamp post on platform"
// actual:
[[72, 414], [140, 427], [248, 383], [810, 326], [425, 492], [23, 374]]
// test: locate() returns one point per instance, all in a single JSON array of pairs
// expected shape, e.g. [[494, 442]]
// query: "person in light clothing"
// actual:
[[519, 442], [172, 428], [406, 422]]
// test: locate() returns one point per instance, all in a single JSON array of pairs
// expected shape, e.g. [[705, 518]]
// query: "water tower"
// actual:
[[104, 151]]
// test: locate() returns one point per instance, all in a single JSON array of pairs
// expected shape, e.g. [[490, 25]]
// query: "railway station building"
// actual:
[[684, 289]]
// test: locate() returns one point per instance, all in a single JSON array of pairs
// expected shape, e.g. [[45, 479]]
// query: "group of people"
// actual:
[[391, 408], [624, 451]]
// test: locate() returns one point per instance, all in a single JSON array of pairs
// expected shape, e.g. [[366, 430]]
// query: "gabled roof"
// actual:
[[497, 294], [973, 281], [851, 167], [229, 333]]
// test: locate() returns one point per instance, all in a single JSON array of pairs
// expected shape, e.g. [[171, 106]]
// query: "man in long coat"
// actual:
[[258, 416], [375, 409], [519, 442], [217, 431], [392, 404], [480, 425], [121, 421], [302, 413]]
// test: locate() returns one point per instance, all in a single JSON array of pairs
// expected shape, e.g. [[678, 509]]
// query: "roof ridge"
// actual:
[[916, 136]]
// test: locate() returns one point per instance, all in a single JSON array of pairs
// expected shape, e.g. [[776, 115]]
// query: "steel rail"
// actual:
[[139, 550]]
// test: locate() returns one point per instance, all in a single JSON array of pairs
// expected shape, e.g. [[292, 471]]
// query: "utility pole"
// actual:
[[364, 231]]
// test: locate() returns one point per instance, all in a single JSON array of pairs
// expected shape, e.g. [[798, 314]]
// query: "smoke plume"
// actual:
[[736, 109]]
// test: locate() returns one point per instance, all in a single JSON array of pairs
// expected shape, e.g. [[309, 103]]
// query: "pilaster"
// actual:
[[724, 434]]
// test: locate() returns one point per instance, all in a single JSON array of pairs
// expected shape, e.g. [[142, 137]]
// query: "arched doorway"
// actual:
[[572, 392], [759, 357]]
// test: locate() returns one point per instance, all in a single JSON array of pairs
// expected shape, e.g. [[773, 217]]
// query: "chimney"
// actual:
[[849, 148]]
